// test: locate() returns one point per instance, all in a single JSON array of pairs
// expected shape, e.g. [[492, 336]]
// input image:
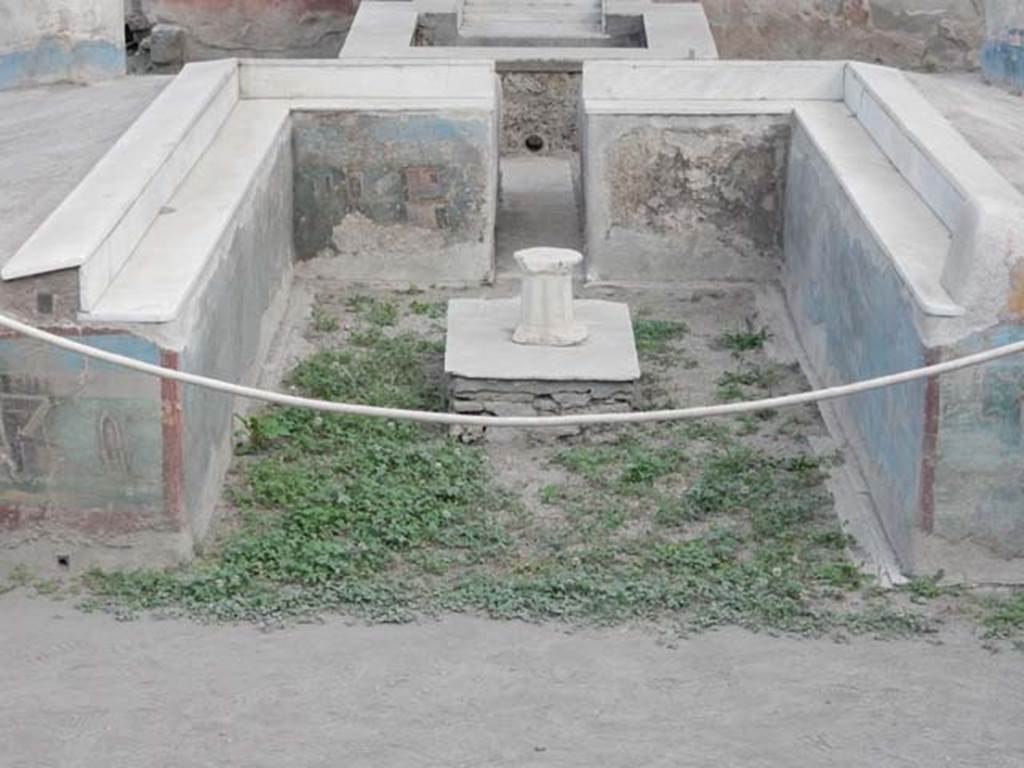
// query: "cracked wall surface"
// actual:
[[544, 104], [685, 197]]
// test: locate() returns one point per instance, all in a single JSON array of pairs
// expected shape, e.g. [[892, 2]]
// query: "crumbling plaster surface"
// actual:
[[685, 197], [918, 34], [260, 28], [540, 103], [395, 196], [44, 41]]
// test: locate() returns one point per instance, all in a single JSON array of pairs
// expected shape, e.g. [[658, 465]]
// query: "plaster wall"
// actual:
[[1002, 56], [396, 196], [684, 197], [274, 28], [45, 41]]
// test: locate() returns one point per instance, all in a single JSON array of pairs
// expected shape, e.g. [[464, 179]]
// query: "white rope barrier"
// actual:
[[433, 417]]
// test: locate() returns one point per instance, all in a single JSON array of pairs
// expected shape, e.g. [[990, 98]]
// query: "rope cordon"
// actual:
[[582, 419]]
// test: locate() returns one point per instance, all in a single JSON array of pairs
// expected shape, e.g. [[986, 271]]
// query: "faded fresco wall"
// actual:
[[684, 198], [396, 196], [919, 34], [215, 29], [45, 41], [82, 456], [979, 448], [855, 320], [1002, 57]]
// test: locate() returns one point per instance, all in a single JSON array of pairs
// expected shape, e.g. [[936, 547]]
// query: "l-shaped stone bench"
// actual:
[[900, 246], [178, 248]]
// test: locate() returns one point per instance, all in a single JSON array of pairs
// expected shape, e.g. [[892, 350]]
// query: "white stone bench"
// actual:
[[98, 225]]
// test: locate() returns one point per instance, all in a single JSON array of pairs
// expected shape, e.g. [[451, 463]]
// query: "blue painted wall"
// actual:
[[57, 58], [854, 316], [979, 475], [1003, 59], [1002, 55]]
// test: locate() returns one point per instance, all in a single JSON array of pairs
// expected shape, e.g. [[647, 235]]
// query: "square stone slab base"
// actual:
[[487, 373]]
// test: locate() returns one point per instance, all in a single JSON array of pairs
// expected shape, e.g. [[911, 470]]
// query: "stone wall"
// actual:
[[45, 41], [543, 104], [684, 198], [396, 196], [919, 34], [1003, 55]]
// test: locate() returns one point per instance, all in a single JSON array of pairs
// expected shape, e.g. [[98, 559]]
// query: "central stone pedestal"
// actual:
[[489, 373]]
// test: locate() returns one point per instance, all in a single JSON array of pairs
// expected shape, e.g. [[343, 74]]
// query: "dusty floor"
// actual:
[[84, 691]]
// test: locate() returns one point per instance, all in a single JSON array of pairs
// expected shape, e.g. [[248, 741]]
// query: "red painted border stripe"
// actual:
[[173, 420], [930, 443]]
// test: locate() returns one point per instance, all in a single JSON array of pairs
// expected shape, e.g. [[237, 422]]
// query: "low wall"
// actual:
[[178, 247], [855, 319], [84, 450], [395, 196], [45, 41], [1002, 56], [242, 298], [684, 197]]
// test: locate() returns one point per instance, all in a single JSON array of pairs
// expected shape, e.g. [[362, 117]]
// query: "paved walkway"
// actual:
[[85, 691], [538, 207], [51, 136]]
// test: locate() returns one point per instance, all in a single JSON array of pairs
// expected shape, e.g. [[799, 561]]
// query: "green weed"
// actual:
[[744, 341], [379, 312], [323, 321], [653, 336], [1004, 617], [435, 310]]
